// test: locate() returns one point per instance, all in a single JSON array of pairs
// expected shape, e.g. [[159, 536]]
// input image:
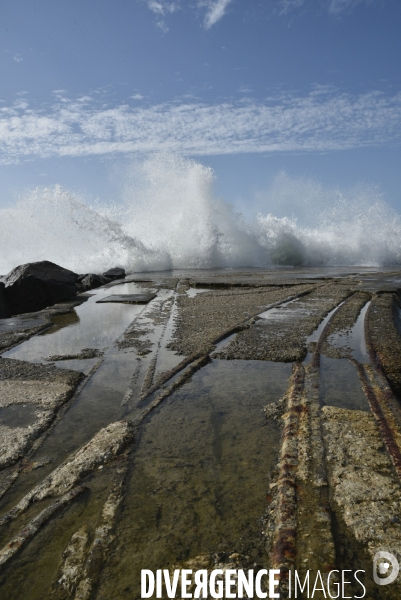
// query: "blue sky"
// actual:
[[250, 87]]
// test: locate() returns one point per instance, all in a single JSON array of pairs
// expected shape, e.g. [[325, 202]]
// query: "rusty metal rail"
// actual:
[[383, 404], [284, 542]]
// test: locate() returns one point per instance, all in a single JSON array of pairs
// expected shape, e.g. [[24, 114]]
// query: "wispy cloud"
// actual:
[[334, 7], [286, 6], [17, 57], [316, 122], [244, 89], [215, 10], [162, 8], [338, 6]]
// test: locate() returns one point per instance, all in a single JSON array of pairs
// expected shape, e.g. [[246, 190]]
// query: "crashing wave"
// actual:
[[168, 217]]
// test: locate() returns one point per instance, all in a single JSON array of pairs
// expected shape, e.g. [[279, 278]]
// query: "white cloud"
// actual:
[[137, 97], [338, 6], [244, 89], [315, 122], [17, 57], [286, 6], [215, 10], [161, 7], [334, 7]]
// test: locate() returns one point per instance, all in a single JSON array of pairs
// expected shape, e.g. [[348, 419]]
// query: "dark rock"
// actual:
[[35, 286], [82, 276], [116, 273], [93, 281], [4, 311]]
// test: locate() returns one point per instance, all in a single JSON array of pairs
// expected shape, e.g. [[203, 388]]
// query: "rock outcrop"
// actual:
[[34, 286], [92, 281], [116, 273], [4, 312]]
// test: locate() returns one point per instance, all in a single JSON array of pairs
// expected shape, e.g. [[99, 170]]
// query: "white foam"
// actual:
[[168, 217]]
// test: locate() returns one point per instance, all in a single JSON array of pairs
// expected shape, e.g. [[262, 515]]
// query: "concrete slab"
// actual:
[[129, 298]]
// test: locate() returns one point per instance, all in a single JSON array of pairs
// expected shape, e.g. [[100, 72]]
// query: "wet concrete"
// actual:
[[18, 415], [201, 481], [203, 317], [128, 298], [284, 335], [366, 492]]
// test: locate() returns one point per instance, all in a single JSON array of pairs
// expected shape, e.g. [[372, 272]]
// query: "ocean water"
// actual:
[[168, 217]]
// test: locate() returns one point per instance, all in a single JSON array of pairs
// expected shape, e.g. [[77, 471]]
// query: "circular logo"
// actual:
[[382, 562]]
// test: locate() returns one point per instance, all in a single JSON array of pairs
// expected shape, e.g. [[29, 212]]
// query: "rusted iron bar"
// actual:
[[376, 406], [382, 401], [284, 542]]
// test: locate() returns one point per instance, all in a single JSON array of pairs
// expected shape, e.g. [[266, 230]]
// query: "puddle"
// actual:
[[339, 381], [224, 343], [194, 291], [277, 314], [90, 325], [32, 572], [167, 359], [61, 321], [100, 401], [19, 415], [340, 385], [200, 473], [83, 365], [353, 340], [314, 337]]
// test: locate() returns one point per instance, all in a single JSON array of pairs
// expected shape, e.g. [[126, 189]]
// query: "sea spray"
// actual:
[[169, 217], [173, 208], [55, 224]]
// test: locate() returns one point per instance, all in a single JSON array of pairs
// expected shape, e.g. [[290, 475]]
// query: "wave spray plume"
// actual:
[[168, 217]]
